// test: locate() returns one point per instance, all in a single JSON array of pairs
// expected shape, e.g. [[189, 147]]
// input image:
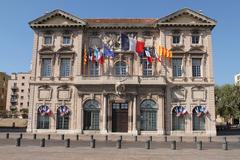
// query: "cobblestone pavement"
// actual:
[[55, 148]]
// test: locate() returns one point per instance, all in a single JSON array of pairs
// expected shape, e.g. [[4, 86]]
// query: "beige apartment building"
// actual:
[[74, 90], [18, 91], [3, 90]]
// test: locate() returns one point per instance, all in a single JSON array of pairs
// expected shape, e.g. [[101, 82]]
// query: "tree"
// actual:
[[227, 99]]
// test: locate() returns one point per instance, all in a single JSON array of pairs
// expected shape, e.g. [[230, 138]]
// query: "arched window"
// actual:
[[120, 68], [91, 115], [199, 116], [178, 118], [148, 115], [63, 114], [43, 117]]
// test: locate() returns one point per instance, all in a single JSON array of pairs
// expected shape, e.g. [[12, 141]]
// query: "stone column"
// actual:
[[80, 114], [160, 115], [104, 122], [134, 129]]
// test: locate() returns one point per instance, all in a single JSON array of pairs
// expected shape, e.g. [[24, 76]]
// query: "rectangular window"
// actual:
[[65, 67], [196, 67], [48, 39], [46, 67], [176, 39], [94, 69], [195, 39], [66, 40], [177, 67], [147, 68]]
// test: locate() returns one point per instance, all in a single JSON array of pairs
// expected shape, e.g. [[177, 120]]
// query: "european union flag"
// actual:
[[107, 52]]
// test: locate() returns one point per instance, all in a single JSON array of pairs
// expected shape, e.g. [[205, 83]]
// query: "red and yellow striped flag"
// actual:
[[85, 58]]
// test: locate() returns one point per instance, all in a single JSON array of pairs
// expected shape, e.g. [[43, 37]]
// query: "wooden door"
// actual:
[[119, 117]]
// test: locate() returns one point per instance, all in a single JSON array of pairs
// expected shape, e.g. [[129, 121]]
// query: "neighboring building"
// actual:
[[18, 91], [237, 79], [3, 90], [131, 92]]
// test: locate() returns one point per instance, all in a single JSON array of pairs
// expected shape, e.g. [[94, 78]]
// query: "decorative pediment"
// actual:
[[186, 17], [57, 18], [46, 50], [67, 49], [197, 50]]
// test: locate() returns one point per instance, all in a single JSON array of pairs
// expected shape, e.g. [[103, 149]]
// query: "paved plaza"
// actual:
[[131, 149]]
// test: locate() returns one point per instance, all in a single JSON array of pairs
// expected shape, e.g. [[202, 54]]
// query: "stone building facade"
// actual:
[[18, 91], [3, 90], [70, 93]]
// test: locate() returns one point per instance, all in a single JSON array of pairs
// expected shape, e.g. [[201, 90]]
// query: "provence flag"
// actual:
[[107, 52], [124, 42]]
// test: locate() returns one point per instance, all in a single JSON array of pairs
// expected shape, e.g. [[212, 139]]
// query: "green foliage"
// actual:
[[227, 99]]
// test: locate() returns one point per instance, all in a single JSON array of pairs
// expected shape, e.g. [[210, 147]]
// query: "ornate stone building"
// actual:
[[72, 93]]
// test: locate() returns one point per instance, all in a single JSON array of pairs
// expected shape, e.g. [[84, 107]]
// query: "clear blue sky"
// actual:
[[17, 37]]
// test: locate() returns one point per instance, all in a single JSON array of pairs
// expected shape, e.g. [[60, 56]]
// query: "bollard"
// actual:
[[173, 145], [150, 138], [67, 143], [147, 144], [18, 142], [13, 125], [120, 137], [77, 137], [42, 143], [180, 139], [239, 139], [225, 139], [210, 139], [91, 137], [34, 136], [165, 139], [21, 135], [7, 136], [135, 138], [225, 146], [49, 136], [195, 139], [119, 144], [199, 145], [92, 143], [106, 138], [62, 137]]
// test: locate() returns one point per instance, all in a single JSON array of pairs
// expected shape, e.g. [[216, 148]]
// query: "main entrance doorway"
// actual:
[[119, 117]]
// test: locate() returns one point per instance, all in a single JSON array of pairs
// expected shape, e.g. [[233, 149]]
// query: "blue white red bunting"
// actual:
[[63, 110], [201, 110], [181, 111], [44, 110]]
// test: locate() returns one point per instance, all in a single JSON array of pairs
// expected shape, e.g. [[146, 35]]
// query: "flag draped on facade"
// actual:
[[91, 55], [63, 110], [180, 111], [85, 59], [201, 110], [149, 57], [140, 46], [44, 110], [124, 42], [107, 52], [156, 54], [132, 44]]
